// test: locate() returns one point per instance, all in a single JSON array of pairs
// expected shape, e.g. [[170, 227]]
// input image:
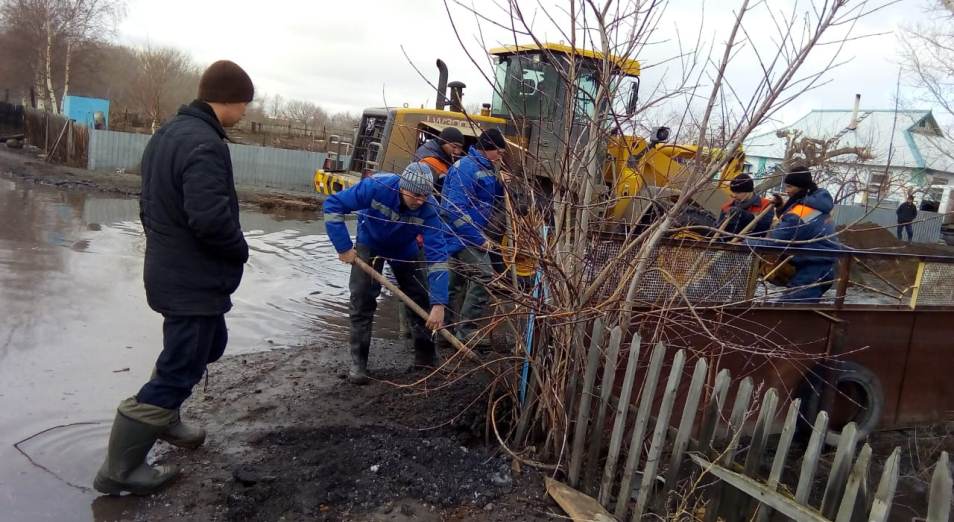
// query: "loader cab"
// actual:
[[533, 89]]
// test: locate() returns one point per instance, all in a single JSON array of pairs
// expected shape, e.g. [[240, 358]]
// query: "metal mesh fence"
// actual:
[[937, 285], [700, 274]]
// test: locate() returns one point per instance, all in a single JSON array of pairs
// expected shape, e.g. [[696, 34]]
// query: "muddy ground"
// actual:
[[291, 439]]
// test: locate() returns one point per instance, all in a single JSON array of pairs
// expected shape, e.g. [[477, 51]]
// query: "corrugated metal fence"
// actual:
[[927, 226], [263, 167]]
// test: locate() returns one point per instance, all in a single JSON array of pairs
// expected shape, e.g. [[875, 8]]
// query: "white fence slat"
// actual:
[[595, 442], [639, 428], [689, 412], [939, 502], [713, 413], [856, 479], [619, 424], [781, 454], [583, 416], [840, 468], [810, 461], [884, 496], [777, 501], [659, 434]]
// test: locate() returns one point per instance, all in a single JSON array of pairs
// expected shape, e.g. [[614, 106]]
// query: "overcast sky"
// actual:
[[347, 55]]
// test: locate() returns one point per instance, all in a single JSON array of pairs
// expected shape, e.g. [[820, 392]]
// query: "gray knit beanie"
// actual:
[[417, 178]]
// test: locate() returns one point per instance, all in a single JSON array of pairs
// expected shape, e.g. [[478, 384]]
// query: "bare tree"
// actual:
[[928, 55], [52, 30], [165, 77], [562, 233]]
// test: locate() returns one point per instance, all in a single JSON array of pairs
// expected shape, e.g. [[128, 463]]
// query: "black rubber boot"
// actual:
[[425, 354], [358, 373], [125, 468]]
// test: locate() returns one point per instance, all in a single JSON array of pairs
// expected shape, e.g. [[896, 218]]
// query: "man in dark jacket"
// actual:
[[440, 153], [907, 213], [805, 222], [744, 206], [195, 251]]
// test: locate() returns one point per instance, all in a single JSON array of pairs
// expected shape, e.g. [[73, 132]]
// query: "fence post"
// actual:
[[939, 503]]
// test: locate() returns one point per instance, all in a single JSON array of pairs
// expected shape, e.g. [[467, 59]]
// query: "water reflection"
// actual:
[[73, 317]]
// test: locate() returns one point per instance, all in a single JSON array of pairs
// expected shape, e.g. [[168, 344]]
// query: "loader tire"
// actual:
[[855, 385]]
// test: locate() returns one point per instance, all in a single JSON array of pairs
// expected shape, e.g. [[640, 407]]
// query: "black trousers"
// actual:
[[189, 343], [412, 280], [907, 228]]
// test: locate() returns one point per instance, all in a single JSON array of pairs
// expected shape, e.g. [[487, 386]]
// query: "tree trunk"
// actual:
[[51, 92], [66, 67]]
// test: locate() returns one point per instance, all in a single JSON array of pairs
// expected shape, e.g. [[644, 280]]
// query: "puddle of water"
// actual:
[[76, 335]]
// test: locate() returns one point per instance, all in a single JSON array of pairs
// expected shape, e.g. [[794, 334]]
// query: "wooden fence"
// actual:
[[62, 140], [710, 435]]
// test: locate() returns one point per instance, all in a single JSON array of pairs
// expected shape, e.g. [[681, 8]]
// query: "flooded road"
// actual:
[[76, 335]]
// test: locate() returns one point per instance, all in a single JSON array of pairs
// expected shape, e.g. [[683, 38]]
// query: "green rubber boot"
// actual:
[[183, 435], [125, 468]]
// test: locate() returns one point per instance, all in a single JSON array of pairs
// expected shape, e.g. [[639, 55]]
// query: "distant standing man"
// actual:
[[440, 153], [907, 213], [472, 190], [195, 252], [392, 211]]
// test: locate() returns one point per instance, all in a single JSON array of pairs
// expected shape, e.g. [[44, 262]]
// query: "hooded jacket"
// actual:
[[195, 249], [807, 217], [471, 192], [389, 228], [741, 214]]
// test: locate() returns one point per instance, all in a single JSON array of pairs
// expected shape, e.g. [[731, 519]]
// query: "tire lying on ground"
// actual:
[[854, 384], [14, 143]]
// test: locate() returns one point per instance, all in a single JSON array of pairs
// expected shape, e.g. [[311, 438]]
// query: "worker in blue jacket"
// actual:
[[392, 210], [805, 222], [472, 190]]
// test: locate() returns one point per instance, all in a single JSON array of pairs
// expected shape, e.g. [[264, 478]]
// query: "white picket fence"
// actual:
[[711, 440]]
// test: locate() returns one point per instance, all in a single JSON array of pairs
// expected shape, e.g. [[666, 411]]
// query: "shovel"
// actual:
[[449, 337]]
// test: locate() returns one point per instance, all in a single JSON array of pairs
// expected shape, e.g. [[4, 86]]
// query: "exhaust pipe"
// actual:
[[456, 94], [853, 124], [441, 85]]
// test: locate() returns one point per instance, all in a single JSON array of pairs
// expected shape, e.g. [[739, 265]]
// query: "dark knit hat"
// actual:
[[799, 176], [226, 82], [742, 184], [491, 139], [452, 135]]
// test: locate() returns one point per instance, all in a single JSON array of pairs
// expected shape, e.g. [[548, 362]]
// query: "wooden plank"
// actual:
[[619, 424], [810, 460], [574, 369], [762, 494], [580, 507], [713, 413], [939, 501], [583, 416], [639, 428], [884, 497], [857, 477], [689, 412], [736, 504], [781, 454], [595, 441], [659, 434], [840, 468], [743, 398]]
